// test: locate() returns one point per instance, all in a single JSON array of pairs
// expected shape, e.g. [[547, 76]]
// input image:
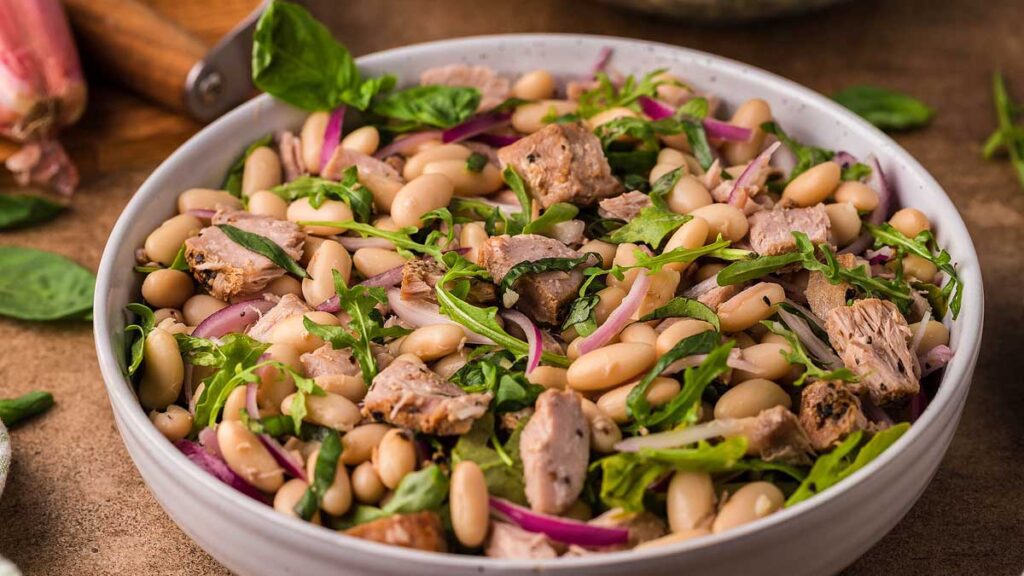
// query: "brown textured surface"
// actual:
[[75, 504]]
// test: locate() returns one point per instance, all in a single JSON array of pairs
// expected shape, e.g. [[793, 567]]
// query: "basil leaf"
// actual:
[[806, 156], [1007, 136], [554, 214], [297, 60], [503, 480], [581, 315], [685, 308], [637, 405], [747, 270], [263, 246], [798, 356], [323, 476], [476, 162], [539, 266], [422, 490], [20, 210], [886, 109], [146, 324], [497, 372], [833, 467], [40, 286], [631, 162], [435, 105], [14, 410], [233, 179], [626, 477], [348, 190]]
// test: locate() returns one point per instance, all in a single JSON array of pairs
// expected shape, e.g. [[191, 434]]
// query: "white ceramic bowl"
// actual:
[[819, 536]]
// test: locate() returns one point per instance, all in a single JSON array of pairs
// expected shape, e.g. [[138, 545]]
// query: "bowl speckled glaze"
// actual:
[[819, 536]]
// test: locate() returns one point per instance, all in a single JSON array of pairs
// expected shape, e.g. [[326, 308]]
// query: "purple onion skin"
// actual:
[[218, 469]]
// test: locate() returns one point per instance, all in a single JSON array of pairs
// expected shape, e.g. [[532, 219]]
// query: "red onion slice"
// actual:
[[603, 58], [534, 338], [208, 440], [269, 442], [234, 318], [750, 173], [402, 145], [218, 469], [935, 359], [655, 109], [734, 360], [822, 351], [418, 313], [881, 211], [618, 319], [201, 213], [683, 436], [475, 126], [726, 131], [560, 529], [497, 140], [332, 135]]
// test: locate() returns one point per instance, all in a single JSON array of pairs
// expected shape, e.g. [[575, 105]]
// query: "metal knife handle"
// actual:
[[137, 46], [223, 78]]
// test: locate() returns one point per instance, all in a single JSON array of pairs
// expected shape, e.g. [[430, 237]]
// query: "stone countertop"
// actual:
[[75, 504]]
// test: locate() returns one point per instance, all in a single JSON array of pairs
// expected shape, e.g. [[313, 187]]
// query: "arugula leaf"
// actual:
[[663, 186], [265, 247], [631, 162], [42, 286], [554, 214], [366, 324], [626, 477], [829, 469], [681, 254], [698, 140], [800, 357], [323, 476], [297, 60], [855, 172], [503, 480], [349, 190], [806, 156], [424, 489], [650, 226], [21, 210], [887, 109], [236, 359], [402, 239], [886, 235], [1007, 136], [233, 179], [497, 372], [516, 184], [434, 105], [607, 95], [481, 320], [686, 308], [695, 380], [747, 270], [581, 315], [476, 162], [146, 324], [14, 410]]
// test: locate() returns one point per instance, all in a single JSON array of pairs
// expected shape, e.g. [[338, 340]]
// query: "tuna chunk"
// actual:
[[409, 395], [555, 450], [421, 531], [541, 296], [420, 276], [776, 434], [871, 337], [226, 269], [624, 207], [288, 305], [562, 163], [365, 166], [493, 89], [771, 230], [823, 295], [642, 526], [829, 412], [510, 541], [709, 293], [326, 361], [289, 148]]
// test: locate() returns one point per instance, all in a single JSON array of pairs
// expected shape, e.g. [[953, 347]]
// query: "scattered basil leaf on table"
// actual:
[[263, 246], [1008, 137], [297, 60], [20, 210], [15, 410], [886, 109], [38, 285]]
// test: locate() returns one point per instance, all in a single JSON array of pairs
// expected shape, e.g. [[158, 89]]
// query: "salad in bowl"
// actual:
[[533, 316]]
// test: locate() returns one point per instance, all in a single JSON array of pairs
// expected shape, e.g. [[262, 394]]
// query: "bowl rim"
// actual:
[[133, 417]]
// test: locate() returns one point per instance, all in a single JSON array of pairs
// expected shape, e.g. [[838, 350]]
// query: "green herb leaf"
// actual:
[[855, 172], [516, 184], [297, 60], [887, 109], [476, 162], [799, 357], [434, 105], [1007, 136], [626, 477], [323, 476], [402, 239], [747, 270], [233, 179], [831, 468], [698, 139], [41, 286], [15, 410], [663, 186], [650, 226], [146, 324], [499, 373], [236, 359], [681, 307], [20, 210], [180, 263], [677, 255], [607, 95], [581, 315], [348, 190], [503, 480], [264, 246], [540, 266], [806, 156], [637, 406], [554, 214], [886, 235]]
